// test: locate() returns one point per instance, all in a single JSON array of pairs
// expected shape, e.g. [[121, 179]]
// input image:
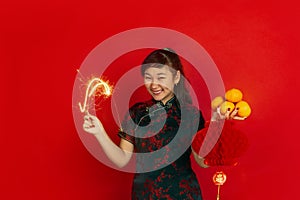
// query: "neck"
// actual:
[[164, 101]]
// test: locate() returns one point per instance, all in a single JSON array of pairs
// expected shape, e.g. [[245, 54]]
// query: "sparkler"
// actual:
[[92, 86]]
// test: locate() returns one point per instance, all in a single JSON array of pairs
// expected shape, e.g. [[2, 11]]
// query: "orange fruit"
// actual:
[[225, 106], [216, 102], [244, 109], [234, 95]]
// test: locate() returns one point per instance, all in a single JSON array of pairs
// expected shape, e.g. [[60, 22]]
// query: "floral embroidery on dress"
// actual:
[[151, 126]]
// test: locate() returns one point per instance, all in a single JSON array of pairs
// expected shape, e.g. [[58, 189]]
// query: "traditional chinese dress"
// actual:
[[161, 135]]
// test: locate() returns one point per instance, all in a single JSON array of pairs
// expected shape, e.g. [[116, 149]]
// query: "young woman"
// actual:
[[153, 126]]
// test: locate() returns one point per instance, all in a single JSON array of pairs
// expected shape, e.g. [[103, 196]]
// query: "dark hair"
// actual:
[[160, 57]]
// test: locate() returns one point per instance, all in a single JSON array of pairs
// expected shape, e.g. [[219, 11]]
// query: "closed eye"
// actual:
[[147, 78]]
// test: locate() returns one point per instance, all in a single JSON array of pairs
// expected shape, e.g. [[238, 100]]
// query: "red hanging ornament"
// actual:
[[222, 145], [219, 179]]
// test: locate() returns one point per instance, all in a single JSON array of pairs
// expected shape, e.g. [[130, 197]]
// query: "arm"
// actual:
[[119, 155], [198, 159]]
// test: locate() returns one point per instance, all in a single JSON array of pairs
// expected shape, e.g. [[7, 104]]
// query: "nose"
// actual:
[[153, 84]]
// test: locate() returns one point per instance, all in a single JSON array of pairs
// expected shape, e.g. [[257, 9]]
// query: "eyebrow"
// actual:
[[159, 74]]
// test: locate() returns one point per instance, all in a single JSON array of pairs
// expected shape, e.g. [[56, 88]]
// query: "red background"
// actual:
[[42, 43]]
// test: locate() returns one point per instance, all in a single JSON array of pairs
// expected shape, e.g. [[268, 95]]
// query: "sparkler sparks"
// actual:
[[92, 86], [97, 87]]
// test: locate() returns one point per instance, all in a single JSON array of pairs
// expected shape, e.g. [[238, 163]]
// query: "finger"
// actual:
[[219, 114], [219, 110], [86, 118], [221, 117], [87, 126], [234, 112], [227, 113], [87, 123], [89, 118], [239, 118]]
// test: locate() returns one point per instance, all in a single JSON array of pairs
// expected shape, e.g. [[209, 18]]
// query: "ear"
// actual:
[[177, 77]]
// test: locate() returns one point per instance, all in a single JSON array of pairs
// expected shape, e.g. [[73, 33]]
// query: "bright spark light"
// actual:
[[93, 85]]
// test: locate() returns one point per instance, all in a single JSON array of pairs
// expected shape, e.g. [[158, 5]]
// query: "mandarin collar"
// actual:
[[169, 103]]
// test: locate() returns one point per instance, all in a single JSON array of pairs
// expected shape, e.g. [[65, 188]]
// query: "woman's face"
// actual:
[[160, 82]]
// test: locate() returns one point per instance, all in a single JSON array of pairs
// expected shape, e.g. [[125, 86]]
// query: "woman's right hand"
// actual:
[[118, 155], [92, 124]]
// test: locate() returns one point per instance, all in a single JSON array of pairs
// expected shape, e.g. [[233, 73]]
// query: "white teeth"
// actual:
[[156, 92]]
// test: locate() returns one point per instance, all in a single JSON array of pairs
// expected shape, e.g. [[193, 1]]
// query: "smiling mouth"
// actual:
[[156, 92]]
